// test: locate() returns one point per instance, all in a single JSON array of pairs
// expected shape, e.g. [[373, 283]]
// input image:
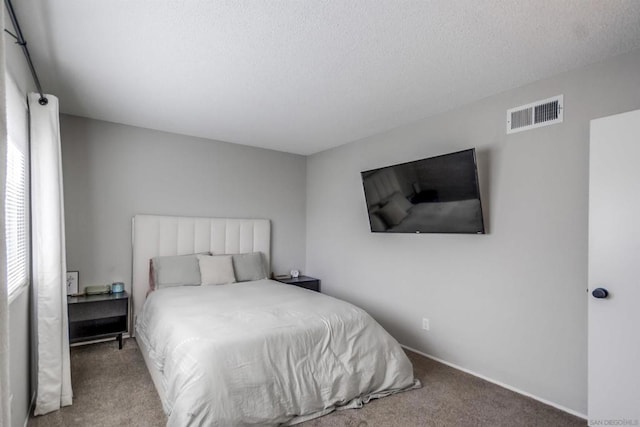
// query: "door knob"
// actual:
[[600, 293]]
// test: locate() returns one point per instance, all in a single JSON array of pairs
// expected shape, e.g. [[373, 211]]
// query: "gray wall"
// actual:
[[112, 172], [510, 305], [22, 383]]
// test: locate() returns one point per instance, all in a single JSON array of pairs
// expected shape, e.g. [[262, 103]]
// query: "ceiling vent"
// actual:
[[534, 115]]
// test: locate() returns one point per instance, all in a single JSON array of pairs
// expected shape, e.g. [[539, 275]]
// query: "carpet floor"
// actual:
[[113, 388]]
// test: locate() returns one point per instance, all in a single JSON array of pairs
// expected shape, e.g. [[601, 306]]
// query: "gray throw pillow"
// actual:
[[176, 270], [392, 213], [249, 266]]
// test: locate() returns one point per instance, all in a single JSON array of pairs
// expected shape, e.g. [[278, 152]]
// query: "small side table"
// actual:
[[306, 282], [94, 317]]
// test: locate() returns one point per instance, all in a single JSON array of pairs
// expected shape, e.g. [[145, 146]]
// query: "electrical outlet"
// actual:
[[425, 324]]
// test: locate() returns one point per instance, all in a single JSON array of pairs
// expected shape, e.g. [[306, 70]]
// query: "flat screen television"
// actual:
[[434, 195]]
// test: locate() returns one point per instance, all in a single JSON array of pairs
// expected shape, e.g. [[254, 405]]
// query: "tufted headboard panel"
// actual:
[[154, 235]]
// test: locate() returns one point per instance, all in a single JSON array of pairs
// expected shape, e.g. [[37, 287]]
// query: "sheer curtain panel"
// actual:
[[5, 405], [49, 258]]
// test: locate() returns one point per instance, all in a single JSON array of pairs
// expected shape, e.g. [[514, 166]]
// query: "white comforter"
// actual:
[[265, 353]]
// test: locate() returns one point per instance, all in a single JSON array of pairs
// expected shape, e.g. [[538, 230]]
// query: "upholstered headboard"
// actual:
[[155, 235]]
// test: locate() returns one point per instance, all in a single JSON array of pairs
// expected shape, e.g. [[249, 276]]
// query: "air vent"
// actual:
[[534, 115]]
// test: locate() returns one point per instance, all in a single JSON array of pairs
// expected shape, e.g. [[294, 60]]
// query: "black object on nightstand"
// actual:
[[94, 317], [303, 282]]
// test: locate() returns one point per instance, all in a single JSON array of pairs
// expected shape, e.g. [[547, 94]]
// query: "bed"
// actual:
[[257, 352]]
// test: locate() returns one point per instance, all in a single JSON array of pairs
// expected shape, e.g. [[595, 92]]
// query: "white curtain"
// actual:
[[49, 258], [5, 406]]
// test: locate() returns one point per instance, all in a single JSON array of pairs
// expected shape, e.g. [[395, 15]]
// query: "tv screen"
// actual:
[[434, 195]]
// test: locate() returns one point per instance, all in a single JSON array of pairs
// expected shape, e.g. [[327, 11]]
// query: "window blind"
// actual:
[[15, 219]]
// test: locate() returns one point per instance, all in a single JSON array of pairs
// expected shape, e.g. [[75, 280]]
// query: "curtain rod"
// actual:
[[23, 43]]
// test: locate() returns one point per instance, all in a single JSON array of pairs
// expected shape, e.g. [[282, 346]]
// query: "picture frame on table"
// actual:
[[73, 281]]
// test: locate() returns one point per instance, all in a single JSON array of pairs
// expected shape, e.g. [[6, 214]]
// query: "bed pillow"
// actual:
[[249, 266], [392, 213], [216, 270], [175, 270], [401, 200]]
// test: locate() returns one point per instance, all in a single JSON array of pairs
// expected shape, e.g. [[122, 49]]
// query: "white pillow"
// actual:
[[216, 270]]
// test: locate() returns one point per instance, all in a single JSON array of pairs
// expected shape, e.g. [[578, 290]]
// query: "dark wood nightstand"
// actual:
[[303, 282], [94, 317]]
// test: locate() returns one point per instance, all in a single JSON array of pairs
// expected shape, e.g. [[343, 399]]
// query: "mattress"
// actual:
[[265, 353]]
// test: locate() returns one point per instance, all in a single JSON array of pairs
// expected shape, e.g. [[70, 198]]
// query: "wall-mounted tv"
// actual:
[[433, 195]]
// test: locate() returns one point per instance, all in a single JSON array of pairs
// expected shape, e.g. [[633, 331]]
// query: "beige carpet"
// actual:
[[113, 388]]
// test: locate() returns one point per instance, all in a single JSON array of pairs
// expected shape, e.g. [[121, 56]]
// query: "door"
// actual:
[[614, 270]]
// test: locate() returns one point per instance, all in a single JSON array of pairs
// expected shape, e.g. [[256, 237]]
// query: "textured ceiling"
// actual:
[[304, 76]]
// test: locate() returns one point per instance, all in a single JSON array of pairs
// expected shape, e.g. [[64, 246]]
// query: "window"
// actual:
[[16, 219]]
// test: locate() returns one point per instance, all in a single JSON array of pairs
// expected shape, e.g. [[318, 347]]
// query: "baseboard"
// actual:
[[501, 384]]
